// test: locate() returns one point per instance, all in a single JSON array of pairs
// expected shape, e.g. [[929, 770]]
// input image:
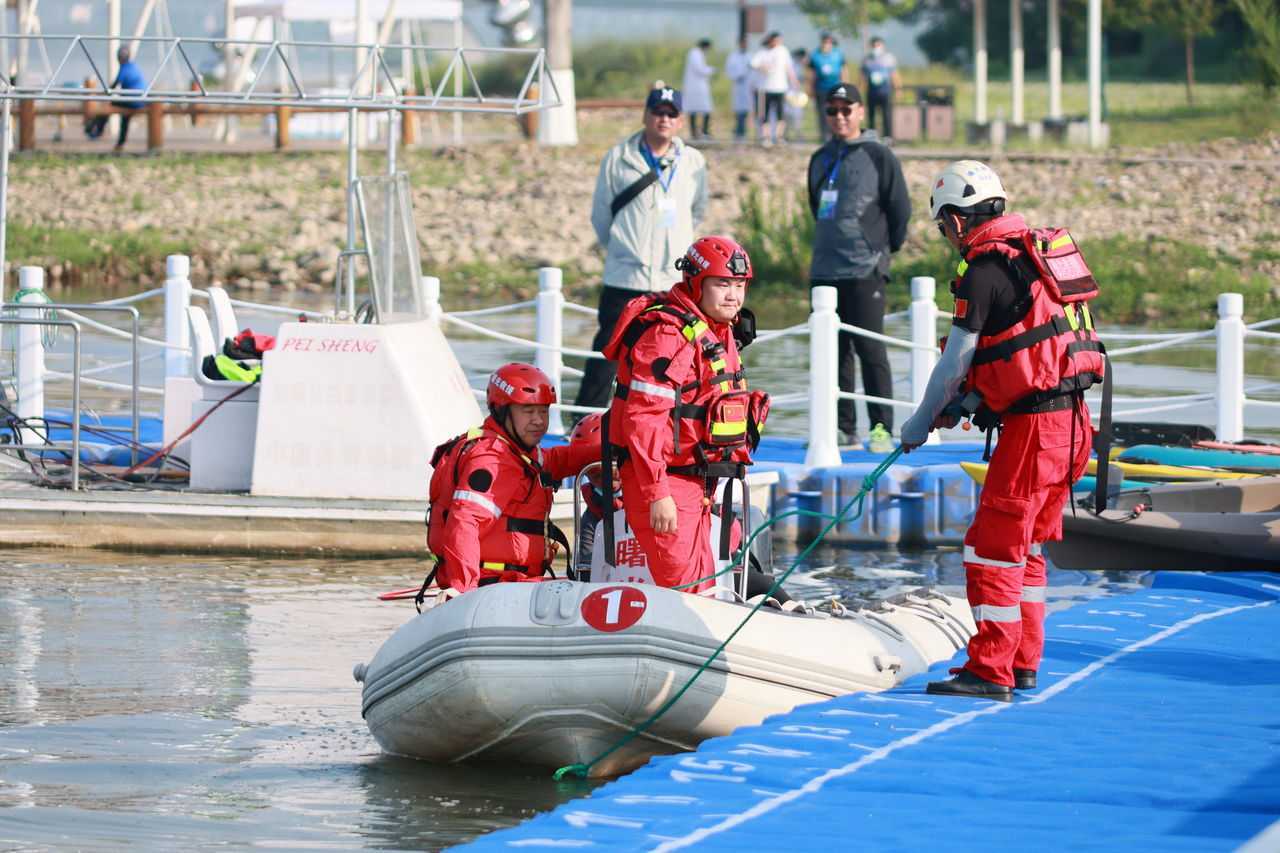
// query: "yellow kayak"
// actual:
[[1135, 471]]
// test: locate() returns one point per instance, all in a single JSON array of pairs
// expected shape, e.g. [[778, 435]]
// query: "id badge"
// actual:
[[667, 212], [827, 204]]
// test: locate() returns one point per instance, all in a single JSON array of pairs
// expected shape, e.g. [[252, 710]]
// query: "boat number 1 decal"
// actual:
[[614, 608]]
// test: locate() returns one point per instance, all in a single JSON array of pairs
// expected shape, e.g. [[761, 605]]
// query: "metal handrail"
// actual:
[[75, 391], [73, 307]]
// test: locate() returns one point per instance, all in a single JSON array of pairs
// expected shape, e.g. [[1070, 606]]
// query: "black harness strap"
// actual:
[[726, 519], [606, 486], [1102, 443], [628, 195], [1056, 325]]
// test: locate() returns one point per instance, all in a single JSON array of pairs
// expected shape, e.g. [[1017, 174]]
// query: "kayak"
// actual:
[[1218, 526], [1156, 454], [1143, 473], [1241, 446], [1087, 483]]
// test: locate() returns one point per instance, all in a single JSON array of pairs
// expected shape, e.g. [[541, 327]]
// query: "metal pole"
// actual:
[[113, 45], [559, 126], [353, 125], [75, 406], [457, 81], [1095, 73], [391, 197], [133, 456], [824, 329], [1055, 60], [1016, 59], [980, 61], [1230, 367], [4, 195]]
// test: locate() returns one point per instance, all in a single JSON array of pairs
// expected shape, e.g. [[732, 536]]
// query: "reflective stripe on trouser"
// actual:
[[1021, 504], [674, 558]]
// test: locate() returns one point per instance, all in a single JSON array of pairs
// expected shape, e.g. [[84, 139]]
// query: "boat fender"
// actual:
[[893, 663], [358, 671]]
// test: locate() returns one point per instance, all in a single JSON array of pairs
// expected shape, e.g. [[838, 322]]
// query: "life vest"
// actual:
[[227, 369], [716, 421], [515, 548], [1053, 351]]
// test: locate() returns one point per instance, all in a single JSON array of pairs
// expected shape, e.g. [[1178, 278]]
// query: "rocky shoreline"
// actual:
[[258, 222]]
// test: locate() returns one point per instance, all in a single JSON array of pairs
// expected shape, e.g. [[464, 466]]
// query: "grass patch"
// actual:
[[109, 255]]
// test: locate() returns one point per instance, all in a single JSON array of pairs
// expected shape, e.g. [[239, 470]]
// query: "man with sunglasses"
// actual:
[[858, 197], [650, 194]]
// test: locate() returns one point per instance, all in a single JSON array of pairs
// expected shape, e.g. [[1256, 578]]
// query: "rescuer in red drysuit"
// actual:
[[1023, 339], [680, 349], [587, 433], [491, 488]]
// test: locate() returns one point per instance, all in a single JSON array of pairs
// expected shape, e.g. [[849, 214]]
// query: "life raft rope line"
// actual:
[[868, 483]]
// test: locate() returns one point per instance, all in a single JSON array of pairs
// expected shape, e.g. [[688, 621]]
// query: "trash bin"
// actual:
[[908, 122], [938, 105]]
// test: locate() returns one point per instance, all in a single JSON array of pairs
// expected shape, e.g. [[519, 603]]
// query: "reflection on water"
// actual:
[[170, 702]]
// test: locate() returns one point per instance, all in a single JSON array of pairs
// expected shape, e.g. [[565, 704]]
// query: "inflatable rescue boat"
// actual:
[[555, 673]]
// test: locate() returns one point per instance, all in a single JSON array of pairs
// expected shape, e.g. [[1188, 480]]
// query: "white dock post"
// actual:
[[431, 309], [549, 306], [1230, 367], [824, 330], [31, 351], [924, 331], [177, 296]]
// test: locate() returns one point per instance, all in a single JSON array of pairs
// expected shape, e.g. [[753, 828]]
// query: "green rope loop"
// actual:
[[868, 483]]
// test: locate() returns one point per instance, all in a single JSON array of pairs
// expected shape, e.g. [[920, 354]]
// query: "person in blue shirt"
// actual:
[[129, 77], [827, 64]]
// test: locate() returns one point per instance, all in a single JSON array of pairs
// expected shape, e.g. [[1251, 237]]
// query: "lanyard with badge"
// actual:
[[830, 195], [666, 204]]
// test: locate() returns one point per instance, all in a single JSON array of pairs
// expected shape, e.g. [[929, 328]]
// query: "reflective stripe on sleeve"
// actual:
[[1036, 549], [1033, 594], [996, 613], [654, 390], [971, 556], [477, 499]]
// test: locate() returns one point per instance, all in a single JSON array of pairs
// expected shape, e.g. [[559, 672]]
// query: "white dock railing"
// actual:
[[823, 329]]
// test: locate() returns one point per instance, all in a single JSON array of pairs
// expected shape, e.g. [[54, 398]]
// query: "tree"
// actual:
[[852, 16], [1263, 19], [1184, 19]]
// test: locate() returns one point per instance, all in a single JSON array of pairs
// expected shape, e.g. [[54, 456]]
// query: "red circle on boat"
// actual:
[[614, 608]]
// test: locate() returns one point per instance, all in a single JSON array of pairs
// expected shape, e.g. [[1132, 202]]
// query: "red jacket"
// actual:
[[668, 354], [1053, 350], [489, 505]]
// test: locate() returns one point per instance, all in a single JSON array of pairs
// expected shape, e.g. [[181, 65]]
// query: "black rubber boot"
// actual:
[[965, 683], [1024, 679]]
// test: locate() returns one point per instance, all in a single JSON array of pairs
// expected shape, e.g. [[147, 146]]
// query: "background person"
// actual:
[[859, 201], [129, 77], [738, 69], [697, 88], [798, 99], [880, 77], [642, 227], [777, 77], [827, 65], [1005, 344]]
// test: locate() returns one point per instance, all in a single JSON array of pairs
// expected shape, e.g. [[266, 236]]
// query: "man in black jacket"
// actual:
[[859, 200]]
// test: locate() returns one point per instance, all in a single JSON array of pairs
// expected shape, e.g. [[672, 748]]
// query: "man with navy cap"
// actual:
[[650, 194], [859, 201]]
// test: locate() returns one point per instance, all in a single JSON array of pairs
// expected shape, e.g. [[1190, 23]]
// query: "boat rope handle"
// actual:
[[868, 483]]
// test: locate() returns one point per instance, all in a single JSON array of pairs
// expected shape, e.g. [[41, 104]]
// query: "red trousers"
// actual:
[[674, 558], [1027, 485]]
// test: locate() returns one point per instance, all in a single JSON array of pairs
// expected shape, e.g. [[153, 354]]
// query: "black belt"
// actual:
[[733, 470], [1040, 403]]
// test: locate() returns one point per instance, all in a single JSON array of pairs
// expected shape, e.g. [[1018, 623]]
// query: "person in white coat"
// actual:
[[778, 76], [738, 69], [697, 88]]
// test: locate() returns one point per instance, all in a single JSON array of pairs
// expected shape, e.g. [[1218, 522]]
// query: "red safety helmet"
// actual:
[[521, 384], [717, 257], [587, 430]]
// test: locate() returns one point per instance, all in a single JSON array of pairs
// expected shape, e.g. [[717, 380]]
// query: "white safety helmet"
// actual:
[[963, 184]]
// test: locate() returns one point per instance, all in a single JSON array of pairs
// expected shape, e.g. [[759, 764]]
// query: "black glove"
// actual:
[[744, 329]]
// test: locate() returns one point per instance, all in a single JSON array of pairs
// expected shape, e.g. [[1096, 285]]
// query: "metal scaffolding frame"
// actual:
[[372, 89]]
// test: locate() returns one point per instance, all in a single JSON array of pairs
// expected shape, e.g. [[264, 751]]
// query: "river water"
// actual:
[[164, 703]]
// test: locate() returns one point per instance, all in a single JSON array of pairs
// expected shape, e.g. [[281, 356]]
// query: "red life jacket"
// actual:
[[1053, 350], [514, 548], [716, 421]]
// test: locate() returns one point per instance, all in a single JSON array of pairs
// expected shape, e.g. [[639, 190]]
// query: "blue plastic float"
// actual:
[[1155, 728]]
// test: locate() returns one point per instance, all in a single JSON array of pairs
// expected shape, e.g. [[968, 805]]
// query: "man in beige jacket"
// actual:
[[650, 195]]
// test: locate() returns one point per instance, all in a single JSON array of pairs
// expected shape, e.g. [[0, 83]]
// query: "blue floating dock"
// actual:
[[1156, 727]]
